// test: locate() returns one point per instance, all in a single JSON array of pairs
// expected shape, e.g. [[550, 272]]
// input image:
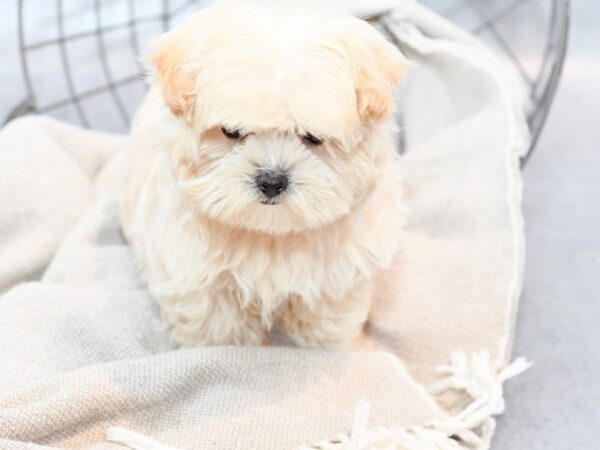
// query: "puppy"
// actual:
[[261, 178]]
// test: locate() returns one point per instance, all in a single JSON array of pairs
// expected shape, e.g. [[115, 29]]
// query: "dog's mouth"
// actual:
[[270, 201]]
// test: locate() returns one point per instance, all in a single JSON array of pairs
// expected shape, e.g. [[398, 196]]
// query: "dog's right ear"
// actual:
[[378, 66], [175, 73]]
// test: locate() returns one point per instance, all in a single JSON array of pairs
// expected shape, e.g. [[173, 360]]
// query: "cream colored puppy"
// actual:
[[261, 177]]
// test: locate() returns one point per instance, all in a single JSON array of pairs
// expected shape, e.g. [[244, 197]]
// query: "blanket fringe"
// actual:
[[470, 429]]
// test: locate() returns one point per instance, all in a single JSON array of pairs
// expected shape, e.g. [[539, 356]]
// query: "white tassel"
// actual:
[[472, 428], [478, 378]]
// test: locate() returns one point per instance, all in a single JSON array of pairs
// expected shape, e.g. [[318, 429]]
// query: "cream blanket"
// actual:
[[83, 348]]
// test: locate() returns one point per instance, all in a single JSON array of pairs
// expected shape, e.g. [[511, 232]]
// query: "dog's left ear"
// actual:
[[176, 85], [378, 65], [173, 62]]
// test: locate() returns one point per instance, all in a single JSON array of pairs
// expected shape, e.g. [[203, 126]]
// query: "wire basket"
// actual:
[[80, 58]]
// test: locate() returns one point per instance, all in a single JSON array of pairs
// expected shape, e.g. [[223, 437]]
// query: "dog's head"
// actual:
[[283, 112]]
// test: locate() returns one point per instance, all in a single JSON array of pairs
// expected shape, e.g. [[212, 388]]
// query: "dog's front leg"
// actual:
[[213, 317], [330, 322]]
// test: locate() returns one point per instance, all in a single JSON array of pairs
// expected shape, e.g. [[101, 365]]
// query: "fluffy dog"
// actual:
[[261, 180]]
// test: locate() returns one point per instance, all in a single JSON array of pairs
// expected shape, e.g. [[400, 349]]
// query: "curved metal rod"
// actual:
[[24, 63], [550, 45], [65, 61], [166, 21], [104, 63], [133, 37], [558, 36]]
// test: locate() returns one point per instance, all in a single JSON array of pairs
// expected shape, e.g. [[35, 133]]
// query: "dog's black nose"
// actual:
[[272, 184]]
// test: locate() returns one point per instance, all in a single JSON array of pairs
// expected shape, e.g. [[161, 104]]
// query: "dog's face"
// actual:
[[281, 111]]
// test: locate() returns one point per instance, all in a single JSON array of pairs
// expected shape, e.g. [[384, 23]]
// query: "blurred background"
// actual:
[[77, 60]]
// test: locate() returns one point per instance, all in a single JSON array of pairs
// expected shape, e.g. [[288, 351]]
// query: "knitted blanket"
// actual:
[[85, 360]]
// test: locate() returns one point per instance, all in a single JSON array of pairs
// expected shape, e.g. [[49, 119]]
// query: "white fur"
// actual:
[[222, 264]]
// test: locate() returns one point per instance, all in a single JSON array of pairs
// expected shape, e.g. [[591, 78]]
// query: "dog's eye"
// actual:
[[311, 139], [232, 134]]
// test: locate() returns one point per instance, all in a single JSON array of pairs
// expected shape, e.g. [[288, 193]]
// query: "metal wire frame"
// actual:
[[31, 103], [541, 87], [543, 90], [66, 66]]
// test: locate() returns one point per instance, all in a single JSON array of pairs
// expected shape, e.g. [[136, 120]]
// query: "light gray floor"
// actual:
[[556, 405]]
